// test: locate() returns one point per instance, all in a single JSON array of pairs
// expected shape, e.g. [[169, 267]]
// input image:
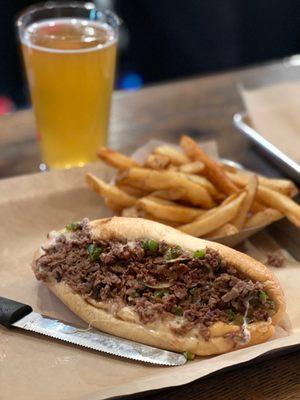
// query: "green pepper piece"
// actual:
[[160, 293], [238, 320], [94, 251], [263, 296], [177, 310], [173, 252], [189, 355], [150, 245], [73, 226], [231, 315], [199, 254]]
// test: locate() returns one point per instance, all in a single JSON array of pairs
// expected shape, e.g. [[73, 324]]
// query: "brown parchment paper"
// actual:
[[274, 113], [34, 367]]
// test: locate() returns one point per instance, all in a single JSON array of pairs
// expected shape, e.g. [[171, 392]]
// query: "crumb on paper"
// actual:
[[276, 259]]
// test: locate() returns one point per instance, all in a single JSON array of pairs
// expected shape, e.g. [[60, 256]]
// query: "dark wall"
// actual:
[[11, 76], [176, 38], [172, 38]]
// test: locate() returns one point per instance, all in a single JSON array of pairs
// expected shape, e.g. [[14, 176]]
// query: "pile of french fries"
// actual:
[[191, 191]]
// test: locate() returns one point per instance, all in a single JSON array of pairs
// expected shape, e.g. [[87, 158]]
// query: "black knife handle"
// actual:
[[11, 311]]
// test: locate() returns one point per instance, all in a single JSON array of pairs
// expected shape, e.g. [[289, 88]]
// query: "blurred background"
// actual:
[[171, 39]]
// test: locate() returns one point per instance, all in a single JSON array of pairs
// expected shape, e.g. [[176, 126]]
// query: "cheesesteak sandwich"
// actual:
[[150, 283]]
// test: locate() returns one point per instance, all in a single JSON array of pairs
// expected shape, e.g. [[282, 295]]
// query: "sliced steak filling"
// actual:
[[157, 280]]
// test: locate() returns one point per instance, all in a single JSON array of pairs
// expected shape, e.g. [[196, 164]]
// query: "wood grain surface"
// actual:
[[274, 379], [202, 107]]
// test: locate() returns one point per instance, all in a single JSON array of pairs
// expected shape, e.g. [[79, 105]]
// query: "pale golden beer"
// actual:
[[70, 64]]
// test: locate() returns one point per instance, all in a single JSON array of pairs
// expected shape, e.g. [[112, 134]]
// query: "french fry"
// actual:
[[241, 180], [251, 189], [115, 198], [161, 221], [256, 207], [164, 180], [181, 189], [173, 168], [283, 186], [201, 180], [133, 191], [170, 194], [115, 159], [237, 178], [132, 212], [213, 170], [124, 180], [192, 168], [263, 218], [228, 199], [137, 188], [157, 161], [214, 218], [225, 230], [280, 202], [176, 156], [168, 210]]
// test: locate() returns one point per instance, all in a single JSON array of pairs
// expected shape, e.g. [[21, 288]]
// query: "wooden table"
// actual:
[[202, 107]]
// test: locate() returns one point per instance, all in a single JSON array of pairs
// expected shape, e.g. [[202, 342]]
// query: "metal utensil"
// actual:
[[19, 315]]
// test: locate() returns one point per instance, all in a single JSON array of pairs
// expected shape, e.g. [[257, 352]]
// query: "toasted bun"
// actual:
[[126, 323]]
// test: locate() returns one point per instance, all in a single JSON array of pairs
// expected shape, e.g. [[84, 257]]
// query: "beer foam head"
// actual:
[[68, 35]]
